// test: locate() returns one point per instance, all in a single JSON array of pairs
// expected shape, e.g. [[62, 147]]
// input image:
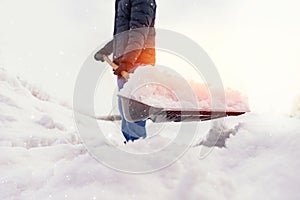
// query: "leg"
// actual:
[[131, 130]]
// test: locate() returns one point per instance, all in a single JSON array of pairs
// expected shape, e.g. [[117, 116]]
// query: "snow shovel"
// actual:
[[134, 110]]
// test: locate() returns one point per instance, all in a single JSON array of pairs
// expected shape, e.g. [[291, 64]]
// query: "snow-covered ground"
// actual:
[[42, 157], [295, 112]]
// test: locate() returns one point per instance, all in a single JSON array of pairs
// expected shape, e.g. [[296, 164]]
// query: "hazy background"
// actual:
[[254, 44]]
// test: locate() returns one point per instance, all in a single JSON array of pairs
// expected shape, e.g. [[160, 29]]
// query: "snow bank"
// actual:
[[28, 119], [42, 157], [24, 87], [20, 86], [162, 87]]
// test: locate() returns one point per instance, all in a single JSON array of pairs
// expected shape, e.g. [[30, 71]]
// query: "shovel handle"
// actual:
[[124, 74]]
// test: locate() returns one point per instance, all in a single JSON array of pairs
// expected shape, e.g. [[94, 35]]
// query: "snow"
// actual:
[[159, 86], [163, 87], [42, 156], [295, 112]]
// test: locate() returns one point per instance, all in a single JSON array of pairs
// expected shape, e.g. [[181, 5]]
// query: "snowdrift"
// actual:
[[43, 158]]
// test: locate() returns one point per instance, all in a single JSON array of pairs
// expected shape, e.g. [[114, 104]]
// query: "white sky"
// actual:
[[254, 44]]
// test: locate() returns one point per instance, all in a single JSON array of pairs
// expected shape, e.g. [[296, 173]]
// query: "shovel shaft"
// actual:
[[114, 66]]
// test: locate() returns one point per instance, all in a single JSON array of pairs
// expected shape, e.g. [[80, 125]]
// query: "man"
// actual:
[[132, 46]]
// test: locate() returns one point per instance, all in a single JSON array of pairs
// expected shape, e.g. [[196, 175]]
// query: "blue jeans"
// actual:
[[131, 130]]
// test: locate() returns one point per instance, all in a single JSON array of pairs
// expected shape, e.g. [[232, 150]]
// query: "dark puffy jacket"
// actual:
[[134, 34]]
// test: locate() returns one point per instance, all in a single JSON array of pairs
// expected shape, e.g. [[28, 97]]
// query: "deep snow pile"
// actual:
[[162, 87], [42, 157]]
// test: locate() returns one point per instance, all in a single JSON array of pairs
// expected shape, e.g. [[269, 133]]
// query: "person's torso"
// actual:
[[123, 23]]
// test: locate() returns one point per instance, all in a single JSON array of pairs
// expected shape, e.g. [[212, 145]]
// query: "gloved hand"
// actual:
[[105, 51], [99, 56], [122, 67]]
